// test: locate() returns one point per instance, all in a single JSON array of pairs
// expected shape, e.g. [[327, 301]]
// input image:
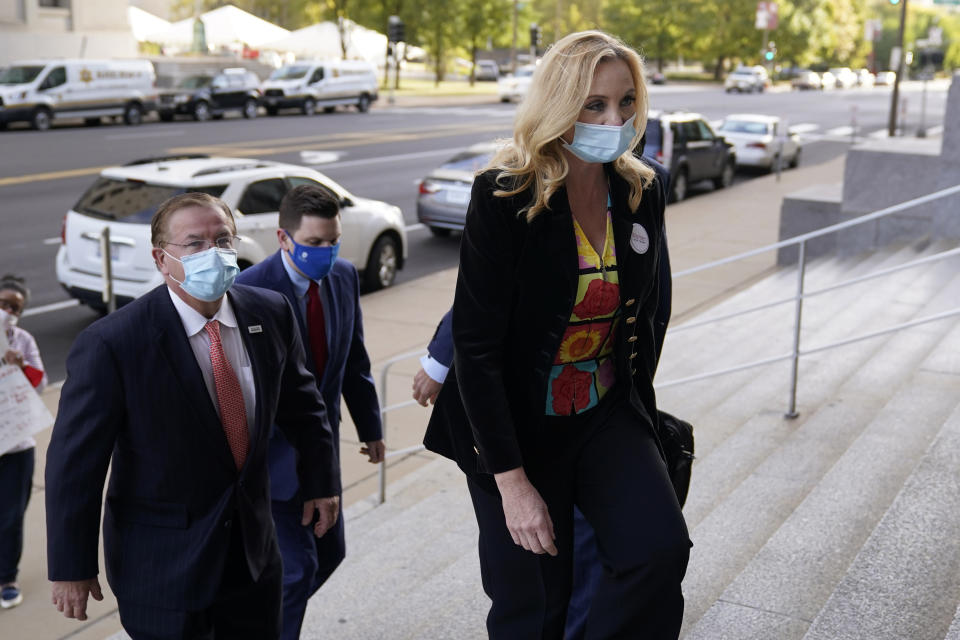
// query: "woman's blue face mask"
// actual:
[[313, 262], [599, 142]]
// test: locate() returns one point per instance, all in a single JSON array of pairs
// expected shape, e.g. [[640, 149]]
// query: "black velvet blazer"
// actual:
[[515, 292]]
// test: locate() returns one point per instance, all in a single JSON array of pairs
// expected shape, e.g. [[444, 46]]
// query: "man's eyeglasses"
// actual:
[[223, 242]]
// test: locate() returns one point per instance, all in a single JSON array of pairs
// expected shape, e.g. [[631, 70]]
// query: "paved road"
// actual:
[[378, 155]]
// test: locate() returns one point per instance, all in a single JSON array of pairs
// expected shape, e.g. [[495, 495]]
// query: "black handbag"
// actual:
[[676, 436]]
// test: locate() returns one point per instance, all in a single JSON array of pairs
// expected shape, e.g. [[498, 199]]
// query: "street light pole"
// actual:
[[513, 49], [895, 98]]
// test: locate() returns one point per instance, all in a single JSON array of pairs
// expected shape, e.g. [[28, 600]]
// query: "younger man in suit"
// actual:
[[324, 291]]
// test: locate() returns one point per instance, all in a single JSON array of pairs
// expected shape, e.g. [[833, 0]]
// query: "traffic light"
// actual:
[[536, 35], [395, 29], [771, 51]]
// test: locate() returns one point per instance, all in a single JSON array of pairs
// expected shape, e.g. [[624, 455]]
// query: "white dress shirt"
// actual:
[[194, 323], [436, 371]]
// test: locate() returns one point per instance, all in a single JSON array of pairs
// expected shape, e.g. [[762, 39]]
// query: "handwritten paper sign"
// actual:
[[22, 413]]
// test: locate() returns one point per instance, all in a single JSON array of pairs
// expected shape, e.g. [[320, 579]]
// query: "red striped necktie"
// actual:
[[233, 412]]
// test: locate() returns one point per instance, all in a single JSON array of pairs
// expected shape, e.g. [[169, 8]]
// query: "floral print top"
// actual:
[[583, 368]]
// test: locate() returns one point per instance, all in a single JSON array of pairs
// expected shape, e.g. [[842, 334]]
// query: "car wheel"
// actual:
[[250, 109], [440, 232], [382, 264], [40, 119], [795, 161], [201, 111], [329, 109], [272, 111], [309, 107], [725, 179], [133, 114], [680, 186], [166, 116], [363, 104]]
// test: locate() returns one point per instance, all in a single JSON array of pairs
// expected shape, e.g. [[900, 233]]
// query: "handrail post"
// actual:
[[105, 250], [798, 317], [382, 467]]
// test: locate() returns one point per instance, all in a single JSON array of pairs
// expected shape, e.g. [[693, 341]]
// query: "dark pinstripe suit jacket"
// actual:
[[135, 398]]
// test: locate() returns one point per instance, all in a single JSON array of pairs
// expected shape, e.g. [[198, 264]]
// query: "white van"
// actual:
[[308, 85], [40, 91]]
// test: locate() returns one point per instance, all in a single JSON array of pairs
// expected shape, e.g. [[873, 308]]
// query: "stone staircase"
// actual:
[[841, 523]]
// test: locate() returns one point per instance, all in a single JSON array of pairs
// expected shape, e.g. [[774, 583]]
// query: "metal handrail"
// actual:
[[800, 295]]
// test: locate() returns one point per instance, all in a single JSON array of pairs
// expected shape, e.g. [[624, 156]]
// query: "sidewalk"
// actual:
[[402, 319]]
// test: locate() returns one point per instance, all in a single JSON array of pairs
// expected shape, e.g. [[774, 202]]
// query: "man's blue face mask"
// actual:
[[601, 142], [313, 262]]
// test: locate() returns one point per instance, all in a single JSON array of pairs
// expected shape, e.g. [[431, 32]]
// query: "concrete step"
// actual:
[[953, 633], [903, 582], [729, 536], [404, 551], [796, 570], [745, 428]]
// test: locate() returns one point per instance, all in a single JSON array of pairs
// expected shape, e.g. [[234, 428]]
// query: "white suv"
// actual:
[[124, 198]]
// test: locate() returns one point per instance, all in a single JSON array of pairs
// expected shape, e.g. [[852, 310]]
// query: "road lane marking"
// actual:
[[151, 134], [356, 139], [47, 308], [51, 175], [52, 240], [804, 127], [839, 131], [414, 227], [400, 156]]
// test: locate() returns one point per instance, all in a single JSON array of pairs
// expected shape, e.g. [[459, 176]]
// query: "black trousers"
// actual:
[[16, 483], [244, 609], [611, 469]]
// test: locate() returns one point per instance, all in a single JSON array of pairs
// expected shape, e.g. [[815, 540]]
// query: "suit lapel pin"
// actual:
[[255, 328], [639, 240]]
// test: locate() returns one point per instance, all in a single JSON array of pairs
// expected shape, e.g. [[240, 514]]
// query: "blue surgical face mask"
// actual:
[[601, 142], [313, 262], [207, 275]]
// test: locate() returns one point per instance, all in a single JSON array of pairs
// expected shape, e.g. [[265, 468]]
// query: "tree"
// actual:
[[650, 26], [483, 20]]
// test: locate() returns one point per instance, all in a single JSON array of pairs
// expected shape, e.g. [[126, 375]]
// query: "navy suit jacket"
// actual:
[[135, 398], [347, 371]]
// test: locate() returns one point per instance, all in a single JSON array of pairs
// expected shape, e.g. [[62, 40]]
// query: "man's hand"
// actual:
[[328, 508], [375, 451], [528, 519], [13, 357], [425, 388], [70, 597]]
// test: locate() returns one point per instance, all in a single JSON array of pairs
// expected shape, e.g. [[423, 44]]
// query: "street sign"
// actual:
[[768, 16]]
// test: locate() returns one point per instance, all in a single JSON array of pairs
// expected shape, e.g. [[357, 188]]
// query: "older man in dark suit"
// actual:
[[178, 390]]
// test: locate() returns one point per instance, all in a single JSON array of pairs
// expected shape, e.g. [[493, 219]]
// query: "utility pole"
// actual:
[[892, 126], [513, 47]]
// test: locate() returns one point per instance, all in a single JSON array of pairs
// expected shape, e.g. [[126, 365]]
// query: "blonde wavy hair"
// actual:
[[533, 158]]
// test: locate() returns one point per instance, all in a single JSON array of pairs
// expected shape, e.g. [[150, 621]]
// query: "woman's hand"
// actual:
[[528, 519], [13, 357]]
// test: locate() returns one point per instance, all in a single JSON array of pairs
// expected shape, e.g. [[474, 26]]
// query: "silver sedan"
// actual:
[[760, 140]]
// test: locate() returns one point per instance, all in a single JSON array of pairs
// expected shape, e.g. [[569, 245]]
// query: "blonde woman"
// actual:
[[553, 325]]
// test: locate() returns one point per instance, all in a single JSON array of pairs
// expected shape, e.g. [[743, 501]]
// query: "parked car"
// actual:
[[515, 86], [746, 80], [326, 84], [655, 77], [845, 77], [41, 91], [203, 96], [806, 79], [759, 140], [486, 70], [828, 80], [445, 192], [124, 198], [685, 144], [885, 78], [865, 78]]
